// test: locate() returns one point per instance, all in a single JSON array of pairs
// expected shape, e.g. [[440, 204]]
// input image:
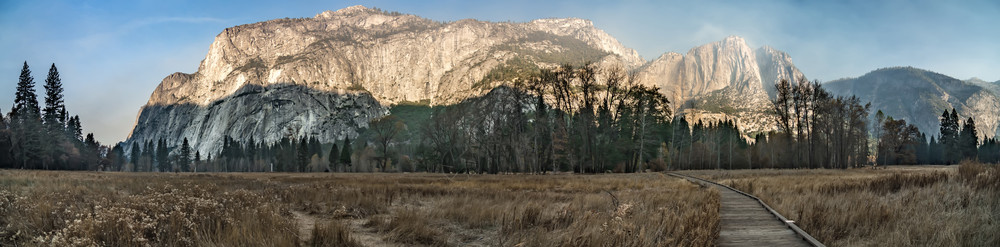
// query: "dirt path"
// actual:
[[306, 225]]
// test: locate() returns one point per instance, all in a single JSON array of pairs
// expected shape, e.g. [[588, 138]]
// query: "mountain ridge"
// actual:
[[361, 53], [920, 96], [329, 75]]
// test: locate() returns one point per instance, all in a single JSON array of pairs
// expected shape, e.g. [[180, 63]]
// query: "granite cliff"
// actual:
[[722, 80], [329, 75]]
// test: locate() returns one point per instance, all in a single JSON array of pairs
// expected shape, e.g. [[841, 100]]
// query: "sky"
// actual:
[[111, 55]]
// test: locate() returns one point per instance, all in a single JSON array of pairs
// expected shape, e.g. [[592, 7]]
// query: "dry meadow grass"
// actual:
[[47, 208], [899, 206]]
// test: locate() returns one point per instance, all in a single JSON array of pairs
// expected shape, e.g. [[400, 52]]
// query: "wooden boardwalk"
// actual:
[[746, 221]]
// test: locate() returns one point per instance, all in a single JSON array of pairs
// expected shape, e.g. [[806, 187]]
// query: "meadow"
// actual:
[[56, 208], [955, 205]]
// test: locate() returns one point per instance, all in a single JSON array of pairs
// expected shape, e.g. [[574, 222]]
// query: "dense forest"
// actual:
[[32, 137], [579, 119]]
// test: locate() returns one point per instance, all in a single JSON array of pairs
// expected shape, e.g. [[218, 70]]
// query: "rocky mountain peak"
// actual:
[[349, 11], [586, 31], [721, 80], [563, 26], [976, 80], [733, 40]]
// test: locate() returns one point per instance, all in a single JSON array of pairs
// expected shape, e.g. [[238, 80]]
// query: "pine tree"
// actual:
[[949, 137], [53, 120], [303, 154], [345, 153], [117, 157], [54, 105], [933, 152], [146, 157], [197, 160], [968, 140], [185, 159], [162, 155], [315, 147], [681, 135], [26, 122], [91, 152], [74, 128], [135, 152], [334, 157]]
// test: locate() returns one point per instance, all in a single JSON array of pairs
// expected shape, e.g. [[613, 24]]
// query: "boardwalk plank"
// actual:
[[744, 222]]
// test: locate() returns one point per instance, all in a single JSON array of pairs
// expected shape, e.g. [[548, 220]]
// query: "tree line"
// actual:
[[900, 143], [36, 137], [814, 130], [581, 119], [286, 155], [586, 120]]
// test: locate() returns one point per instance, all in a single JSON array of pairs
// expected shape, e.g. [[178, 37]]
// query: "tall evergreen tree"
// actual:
[[117, 157], [162, 155], [949, 137], [969, 140], [345, 153], [197, 160], [934, 151], [91, 153], [334, 157], [74, 128], [681, 134], [54, 104], [135, 153], [53, 119], [185, 159], [315, 147], [26, 122], [303, 154]]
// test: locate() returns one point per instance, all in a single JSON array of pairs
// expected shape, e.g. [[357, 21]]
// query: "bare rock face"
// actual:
[[920, 96], [348, 65], [265, 114], [725, 80]]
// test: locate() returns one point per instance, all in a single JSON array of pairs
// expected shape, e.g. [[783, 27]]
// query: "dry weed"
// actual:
[[332, 233], [155, 209], [900, 206]]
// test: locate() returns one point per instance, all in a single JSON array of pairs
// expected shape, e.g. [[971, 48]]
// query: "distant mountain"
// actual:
[[920, 96], [720, 80], [992, 86]]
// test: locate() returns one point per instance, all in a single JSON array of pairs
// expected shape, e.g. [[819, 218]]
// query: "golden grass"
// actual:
[[46, 208], [900, 206], [331, 233]]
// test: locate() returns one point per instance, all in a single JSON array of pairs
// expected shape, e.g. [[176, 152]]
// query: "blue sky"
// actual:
[[112, 54]]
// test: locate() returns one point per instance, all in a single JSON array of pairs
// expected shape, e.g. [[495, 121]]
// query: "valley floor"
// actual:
[[55, 208], [899, 206]]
